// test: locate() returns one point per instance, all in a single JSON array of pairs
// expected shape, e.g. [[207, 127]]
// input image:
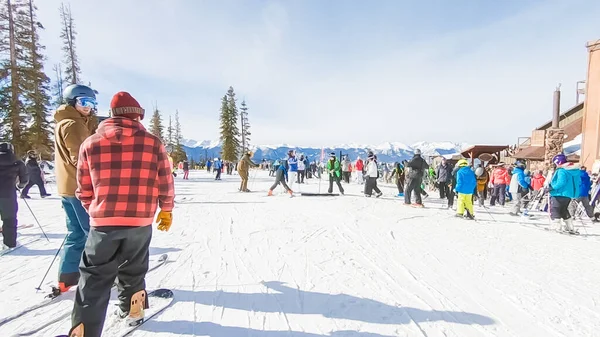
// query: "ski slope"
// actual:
[[251, 265]]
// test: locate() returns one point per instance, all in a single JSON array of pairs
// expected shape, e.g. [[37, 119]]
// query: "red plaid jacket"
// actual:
[[122, 172]]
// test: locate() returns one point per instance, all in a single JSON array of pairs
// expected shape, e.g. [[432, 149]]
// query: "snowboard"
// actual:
[[69, 295], [158, 301]]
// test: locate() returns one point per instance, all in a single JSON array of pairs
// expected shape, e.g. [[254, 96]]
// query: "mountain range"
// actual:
[[386, 152]]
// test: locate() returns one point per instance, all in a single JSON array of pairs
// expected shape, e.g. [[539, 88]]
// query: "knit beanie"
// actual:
[[124, 105]]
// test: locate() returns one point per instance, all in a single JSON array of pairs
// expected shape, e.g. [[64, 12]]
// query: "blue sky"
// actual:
[[318, 72]]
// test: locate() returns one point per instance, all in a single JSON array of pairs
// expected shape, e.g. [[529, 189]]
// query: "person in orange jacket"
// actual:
[[500, 179]]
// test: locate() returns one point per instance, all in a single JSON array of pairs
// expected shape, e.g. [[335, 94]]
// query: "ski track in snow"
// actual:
[[247, 265]]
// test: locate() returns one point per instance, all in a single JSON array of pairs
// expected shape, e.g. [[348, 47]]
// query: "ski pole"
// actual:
[[36, 220], [52, 263]]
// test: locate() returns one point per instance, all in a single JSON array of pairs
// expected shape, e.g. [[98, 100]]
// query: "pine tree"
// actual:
[[37, 99], [178, 151], [57, 88], [13, 25], [156, 127], [68, 34], [245, 127], [229, 131], [169, 139]]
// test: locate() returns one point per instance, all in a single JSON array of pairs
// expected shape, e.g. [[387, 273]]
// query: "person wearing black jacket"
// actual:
[[186, 169], [35, 176], [417, 167], [444, 177], [11, 170]]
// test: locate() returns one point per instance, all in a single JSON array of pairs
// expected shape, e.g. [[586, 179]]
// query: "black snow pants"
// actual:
[[400, 185], [413, 184], [498, 194], [559, 208], [8, 214], [444, 190], [371, 185], [280, 179], [332, 178], [34, 181], [110, 252]]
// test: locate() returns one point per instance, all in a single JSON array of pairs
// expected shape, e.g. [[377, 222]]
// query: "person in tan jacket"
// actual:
[[74, 124], [243, 167]]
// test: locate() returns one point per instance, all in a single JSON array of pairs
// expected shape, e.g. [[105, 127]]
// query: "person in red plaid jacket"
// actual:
[[123, 174]]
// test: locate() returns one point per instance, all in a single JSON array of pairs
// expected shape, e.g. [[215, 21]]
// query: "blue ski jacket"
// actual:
[[466, 181], [586, 184], [293, 163], [566, 182]]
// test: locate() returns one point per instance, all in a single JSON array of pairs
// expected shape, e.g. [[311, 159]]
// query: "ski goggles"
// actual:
[[86, 102]]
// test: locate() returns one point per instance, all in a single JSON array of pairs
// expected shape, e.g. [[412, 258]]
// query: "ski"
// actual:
[[56, 296]]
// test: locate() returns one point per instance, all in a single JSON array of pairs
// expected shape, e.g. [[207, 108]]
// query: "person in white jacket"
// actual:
[[372, 174]]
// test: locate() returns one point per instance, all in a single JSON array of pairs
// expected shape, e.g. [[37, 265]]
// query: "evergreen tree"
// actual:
[[156, 127], [169, 139], [178, 150], [57, 88], [229, 131], [13, 36], [37, 99], [68, 34], [245, 127]]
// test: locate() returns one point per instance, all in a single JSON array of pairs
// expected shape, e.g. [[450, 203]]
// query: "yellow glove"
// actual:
[[164, 220]]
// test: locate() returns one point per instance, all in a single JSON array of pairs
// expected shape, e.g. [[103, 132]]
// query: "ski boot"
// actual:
[[137, 305], [377, 195]]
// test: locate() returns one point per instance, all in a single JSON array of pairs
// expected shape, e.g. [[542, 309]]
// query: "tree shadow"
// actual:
[[217, 330], [342, 306], [163, 250]]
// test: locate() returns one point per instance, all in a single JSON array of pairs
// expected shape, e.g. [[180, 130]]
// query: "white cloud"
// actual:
[[489, 84]]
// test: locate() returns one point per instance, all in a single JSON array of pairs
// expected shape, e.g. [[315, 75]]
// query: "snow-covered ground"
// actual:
[[251, 265]]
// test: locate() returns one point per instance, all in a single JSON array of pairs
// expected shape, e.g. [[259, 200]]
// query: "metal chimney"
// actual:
[[556, 109]]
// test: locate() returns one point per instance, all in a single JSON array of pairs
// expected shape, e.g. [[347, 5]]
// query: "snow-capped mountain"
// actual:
[[386, 152]]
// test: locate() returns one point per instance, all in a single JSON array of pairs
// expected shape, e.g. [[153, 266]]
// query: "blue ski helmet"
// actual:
[[520, 164], [77, 90], [559, 159]]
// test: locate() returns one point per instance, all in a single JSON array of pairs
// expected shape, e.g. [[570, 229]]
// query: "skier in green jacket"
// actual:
[[334, 170]]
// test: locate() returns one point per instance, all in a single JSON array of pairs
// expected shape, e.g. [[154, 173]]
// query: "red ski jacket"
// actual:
[[359, 165], [123, 174]]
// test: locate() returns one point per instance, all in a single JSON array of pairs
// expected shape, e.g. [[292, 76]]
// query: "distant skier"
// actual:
[[292, 168], [122, 203], [519, 188], [346, 169], [186, 170], [398, 172], [417, 167], [243, 168], [466, 183], [371, 184], [34, 171], [500, 179], [359, 168], [444, 177], [218, 167], [208, 165], [74, 123], [280, 178], [563, 187], [334, 171], [12, 171], [301, 170], [482, 182]]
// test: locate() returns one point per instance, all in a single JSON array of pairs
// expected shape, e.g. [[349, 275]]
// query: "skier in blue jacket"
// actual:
[[519, 187], [563, 187], [466, 183], [584, 195], [280, 177]]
